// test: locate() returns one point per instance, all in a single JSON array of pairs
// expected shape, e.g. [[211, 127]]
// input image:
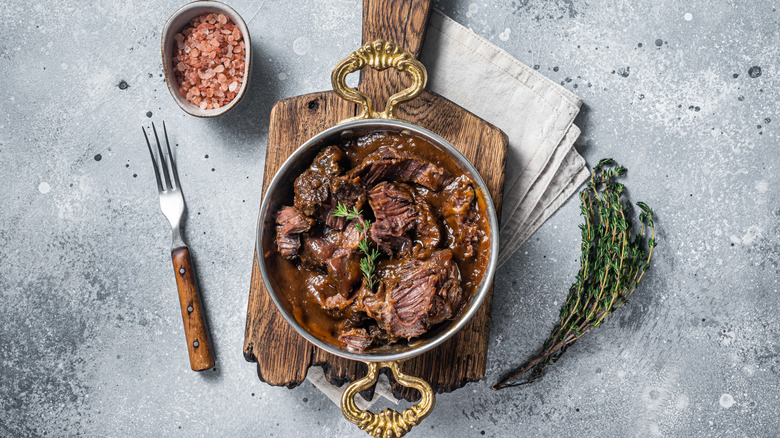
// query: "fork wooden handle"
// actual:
[[195, 329]]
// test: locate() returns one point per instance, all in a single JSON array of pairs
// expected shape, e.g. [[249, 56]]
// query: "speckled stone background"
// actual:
[[684, 93]]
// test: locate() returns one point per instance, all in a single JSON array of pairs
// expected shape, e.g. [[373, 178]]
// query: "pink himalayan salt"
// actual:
[[209, 61]]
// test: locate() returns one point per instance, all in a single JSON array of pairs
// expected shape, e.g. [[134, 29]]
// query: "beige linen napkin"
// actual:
[[536, 113], [543, 169]]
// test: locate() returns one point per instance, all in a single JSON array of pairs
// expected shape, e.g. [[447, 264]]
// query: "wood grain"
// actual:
[[195, 328], [283, 357]]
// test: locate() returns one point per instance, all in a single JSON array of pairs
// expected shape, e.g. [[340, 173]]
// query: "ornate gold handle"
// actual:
[[388, 423], [379, 55]]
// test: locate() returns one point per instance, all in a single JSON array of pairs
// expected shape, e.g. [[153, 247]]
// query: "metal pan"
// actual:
[[379, 55]]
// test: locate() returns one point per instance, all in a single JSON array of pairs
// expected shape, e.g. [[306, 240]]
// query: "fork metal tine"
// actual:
[[168, 184], [154, 162], [170, 159]]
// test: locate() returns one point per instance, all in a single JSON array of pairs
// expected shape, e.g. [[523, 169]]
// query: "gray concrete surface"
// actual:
[[91, 340]]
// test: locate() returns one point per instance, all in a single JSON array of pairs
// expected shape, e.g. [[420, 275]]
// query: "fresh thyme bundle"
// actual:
[[613, 261]]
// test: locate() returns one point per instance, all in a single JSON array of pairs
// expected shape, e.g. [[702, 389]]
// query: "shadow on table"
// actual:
[[250, 118], [582, 121]]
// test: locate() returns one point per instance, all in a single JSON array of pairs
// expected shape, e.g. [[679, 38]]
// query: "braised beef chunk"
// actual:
[[357, 338], [312, 188], [348, 192], [389, 164], [288, 245], [369, 301], [344, 265], [449, 299], [317, 249], [404, 220], [419, 293], [337, 253], [290, 223], [393, 203], [427, 231], [387, 241], [460, 215], [396, 215], [344, 270]]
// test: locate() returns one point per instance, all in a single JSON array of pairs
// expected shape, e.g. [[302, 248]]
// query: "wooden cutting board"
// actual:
[[283, 357]]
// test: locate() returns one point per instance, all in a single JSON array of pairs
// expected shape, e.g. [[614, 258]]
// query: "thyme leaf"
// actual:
[[613, 261]]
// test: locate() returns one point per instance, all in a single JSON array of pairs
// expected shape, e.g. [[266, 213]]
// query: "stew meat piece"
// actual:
[[428, 231], [290, 223], [460, 215], [337, 252], [320, 189], [347, 192], [357, 338], [312, 188], [396, 215], [418, 294], [402, 213], [388, 163]]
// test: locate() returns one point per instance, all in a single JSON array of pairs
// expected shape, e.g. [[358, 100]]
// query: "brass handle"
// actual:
[[388, 423], [379, 55]]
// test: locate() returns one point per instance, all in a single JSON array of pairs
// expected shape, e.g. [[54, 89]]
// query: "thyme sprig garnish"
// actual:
[[368, 261], [613, 261], [368, 264]]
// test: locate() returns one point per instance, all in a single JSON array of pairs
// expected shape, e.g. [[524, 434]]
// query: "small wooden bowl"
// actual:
[[174, 25]]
